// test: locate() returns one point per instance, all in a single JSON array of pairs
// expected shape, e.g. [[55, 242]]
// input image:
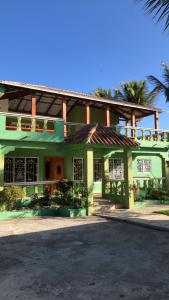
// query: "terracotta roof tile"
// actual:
[[95, 134]]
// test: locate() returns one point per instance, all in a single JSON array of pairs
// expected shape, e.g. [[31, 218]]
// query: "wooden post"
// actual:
[[156, 120], [107, 116], [133, 124], [64, 115], [87, 114], [33, 121], [33, 106]]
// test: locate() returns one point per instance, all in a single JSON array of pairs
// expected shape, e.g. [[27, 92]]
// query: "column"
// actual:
[[64, 115], [133, 124], [33, 106], [87, 114], [105, 174], [33, 111], [88, 168], [156, 120], [2, 156], [128, 179], [165, 173], [107, 116]]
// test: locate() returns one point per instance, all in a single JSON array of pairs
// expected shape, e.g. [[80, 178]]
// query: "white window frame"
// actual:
[[143, 165], [122, 165], [24, 157], [78, 180]]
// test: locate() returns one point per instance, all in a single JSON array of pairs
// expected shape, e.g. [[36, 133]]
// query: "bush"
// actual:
[[69, 195], [10, 195], [40, 200]]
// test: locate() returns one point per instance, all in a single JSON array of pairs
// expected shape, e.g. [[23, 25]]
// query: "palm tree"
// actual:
[[135, 92], [159, 9], [103, 93], [161, 87]]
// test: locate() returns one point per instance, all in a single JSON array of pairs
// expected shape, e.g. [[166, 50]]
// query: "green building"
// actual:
[[47, 134]]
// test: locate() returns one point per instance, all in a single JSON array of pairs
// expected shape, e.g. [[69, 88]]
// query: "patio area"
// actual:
[[82, 259]]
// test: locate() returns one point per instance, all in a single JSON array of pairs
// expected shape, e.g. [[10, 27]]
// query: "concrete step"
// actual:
[[104, 208]]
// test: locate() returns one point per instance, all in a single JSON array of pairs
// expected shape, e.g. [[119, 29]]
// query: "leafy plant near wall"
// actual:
[[10, 195], [158, 194], [71, 195]]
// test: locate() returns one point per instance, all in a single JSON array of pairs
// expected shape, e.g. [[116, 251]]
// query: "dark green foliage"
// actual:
[[45, 200], [103, 93], [159, 86], [10, 195], [158, 194], [71, 195], [135, 92]]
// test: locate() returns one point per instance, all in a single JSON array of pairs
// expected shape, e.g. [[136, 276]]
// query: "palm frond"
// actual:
[[159, 87], [118, 95], [159, 9]]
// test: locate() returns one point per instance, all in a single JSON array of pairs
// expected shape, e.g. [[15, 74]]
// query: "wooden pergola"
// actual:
[[52, 102]]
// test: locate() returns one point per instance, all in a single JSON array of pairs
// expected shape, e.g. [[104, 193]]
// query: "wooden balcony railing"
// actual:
[[143, 134], [23, 122]]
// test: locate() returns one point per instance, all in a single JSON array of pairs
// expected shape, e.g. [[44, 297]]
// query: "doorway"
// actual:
[[53, 170]]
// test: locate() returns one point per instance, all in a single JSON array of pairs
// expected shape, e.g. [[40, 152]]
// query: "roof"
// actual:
[[94, 134], [49, 100]]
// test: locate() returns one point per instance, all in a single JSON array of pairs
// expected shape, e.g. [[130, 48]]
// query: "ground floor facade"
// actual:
[[108, 172]]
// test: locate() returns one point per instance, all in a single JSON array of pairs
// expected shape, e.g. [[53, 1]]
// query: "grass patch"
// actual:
[[163, 212]]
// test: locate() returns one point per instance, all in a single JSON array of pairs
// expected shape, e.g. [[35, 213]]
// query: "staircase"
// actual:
[[104, 206]]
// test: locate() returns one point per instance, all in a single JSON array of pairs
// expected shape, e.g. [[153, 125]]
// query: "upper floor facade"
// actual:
[[41, 114]]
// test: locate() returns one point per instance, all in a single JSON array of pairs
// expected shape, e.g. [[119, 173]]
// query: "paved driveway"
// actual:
[[53, 258]]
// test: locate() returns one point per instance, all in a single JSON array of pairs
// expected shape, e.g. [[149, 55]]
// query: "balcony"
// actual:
[[30, 128], [141, 134]]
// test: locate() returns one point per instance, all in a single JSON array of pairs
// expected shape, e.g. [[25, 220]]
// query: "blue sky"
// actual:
[[81, 44]]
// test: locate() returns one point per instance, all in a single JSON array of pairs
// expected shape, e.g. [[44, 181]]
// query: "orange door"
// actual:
[[54, 170]]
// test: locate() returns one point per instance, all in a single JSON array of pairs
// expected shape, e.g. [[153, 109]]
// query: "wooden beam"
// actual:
[[33, 110], [51, 104], [72, 107], [12, 95], [156, 120], [87, 114], [20, 101], [107, 116]]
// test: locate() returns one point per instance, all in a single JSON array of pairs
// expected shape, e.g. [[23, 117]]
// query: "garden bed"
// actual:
[[147, 202], [29, 213], [163, 212], [43, 212], [72, 212]]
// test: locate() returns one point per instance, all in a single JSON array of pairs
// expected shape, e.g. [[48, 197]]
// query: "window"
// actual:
[[20, 169], [78, 169], [116, 169], [97, 170], [144, 165]]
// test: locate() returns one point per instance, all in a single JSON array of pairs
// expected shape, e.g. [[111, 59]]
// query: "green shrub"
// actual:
[[10, 195], [71, 195]]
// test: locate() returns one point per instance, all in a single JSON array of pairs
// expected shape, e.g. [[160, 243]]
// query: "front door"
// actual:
[[54, 170]]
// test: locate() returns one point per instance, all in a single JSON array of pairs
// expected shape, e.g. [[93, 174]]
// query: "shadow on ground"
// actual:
[[98, 260]]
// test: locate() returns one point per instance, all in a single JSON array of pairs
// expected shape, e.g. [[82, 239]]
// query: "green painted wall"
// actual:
[[97, 116]]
